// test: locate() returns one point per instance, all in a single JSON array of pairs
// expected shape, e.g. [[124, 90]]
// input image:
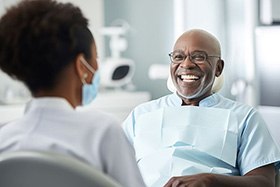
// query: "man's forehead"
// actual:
[[191, 45], [196, 41]]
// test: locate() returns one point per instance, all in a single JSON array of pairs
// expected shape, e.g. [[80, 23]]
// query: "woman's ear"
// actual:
[[219, 67], [80, 67]]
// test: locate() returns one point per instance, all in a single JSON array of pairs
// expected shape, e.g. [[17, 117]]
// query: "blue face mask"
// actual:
[[89, 91]]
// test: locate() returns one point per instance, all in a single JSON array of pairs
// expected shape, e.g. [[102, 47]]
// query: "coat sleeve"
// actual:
[[118, 158]]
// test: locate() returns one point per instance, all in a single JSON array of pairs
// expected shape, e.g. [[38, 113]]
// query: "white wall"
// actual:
[[241, 23]]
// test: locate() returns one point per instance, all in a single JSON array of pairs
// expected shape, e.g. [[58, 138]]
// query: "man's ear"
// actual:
[[219, 67]]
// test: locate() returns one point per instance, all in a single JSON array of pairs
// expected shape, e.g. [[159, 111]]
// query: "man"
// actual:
[[196, 137]]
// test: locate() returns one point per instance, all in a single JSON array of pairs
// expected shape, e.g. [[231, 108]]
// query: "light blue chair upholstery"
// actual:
[[45, 169]]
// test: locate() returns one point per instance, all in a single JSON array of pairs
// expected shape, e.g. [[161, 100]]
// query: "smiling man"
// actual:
[[195, 137], [195, 63]]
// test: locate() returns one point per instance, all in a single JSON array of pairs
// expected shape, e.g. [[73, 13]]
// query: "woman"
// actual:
[[48, 46]]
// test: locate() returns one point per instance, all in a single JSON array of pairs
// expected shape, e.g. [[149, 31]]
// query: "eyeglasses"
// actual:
[[178, 57]]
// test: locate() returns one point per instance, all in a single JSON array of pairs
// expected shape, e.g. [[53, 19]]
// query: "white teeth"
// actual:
[[189, 77]]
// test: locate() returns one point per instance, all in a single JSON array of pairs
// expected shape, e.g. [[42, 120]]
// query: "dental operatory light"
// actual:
[[116, 71]]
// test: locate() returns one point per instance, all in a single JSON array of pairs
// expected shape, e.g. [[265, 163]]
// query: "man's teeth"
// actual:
[[189, 77]]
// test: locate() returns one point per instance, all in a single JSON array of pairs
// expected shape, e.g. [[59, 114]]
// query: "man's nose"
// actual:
[[187, 62]]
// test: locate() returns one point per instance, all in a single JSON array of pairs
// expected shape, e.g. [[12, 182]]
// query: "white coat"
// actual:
[[91, 135]]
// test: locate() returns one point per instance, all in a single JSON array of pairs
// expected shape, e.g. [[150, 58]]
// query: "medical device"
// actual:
[[116, 71]]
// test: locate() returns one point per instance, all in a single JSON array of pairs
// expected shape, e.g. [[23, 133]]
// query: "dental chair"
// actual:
[[45, 169]]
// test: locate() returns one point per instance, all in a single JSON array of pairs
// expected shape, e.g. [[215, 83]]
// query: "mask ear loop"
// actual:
[[87, 65], [85, 75]]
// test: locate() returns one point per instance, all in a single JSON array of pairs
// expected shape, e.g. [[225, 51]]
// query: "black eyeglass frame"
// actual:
[[191, 57]]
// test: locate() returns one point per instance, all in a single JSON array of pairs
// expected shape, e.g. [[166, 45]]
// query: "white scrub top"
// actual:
[[220, 136], [92, 136]]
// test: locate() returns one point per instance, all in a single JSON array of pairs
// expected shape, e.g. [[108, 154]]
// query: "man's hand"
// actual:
[[199, 180], [259, 177]]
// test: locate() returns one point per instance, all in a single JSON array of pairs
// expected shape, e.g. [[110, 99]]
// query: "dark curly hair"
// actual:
[[39, 38]]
